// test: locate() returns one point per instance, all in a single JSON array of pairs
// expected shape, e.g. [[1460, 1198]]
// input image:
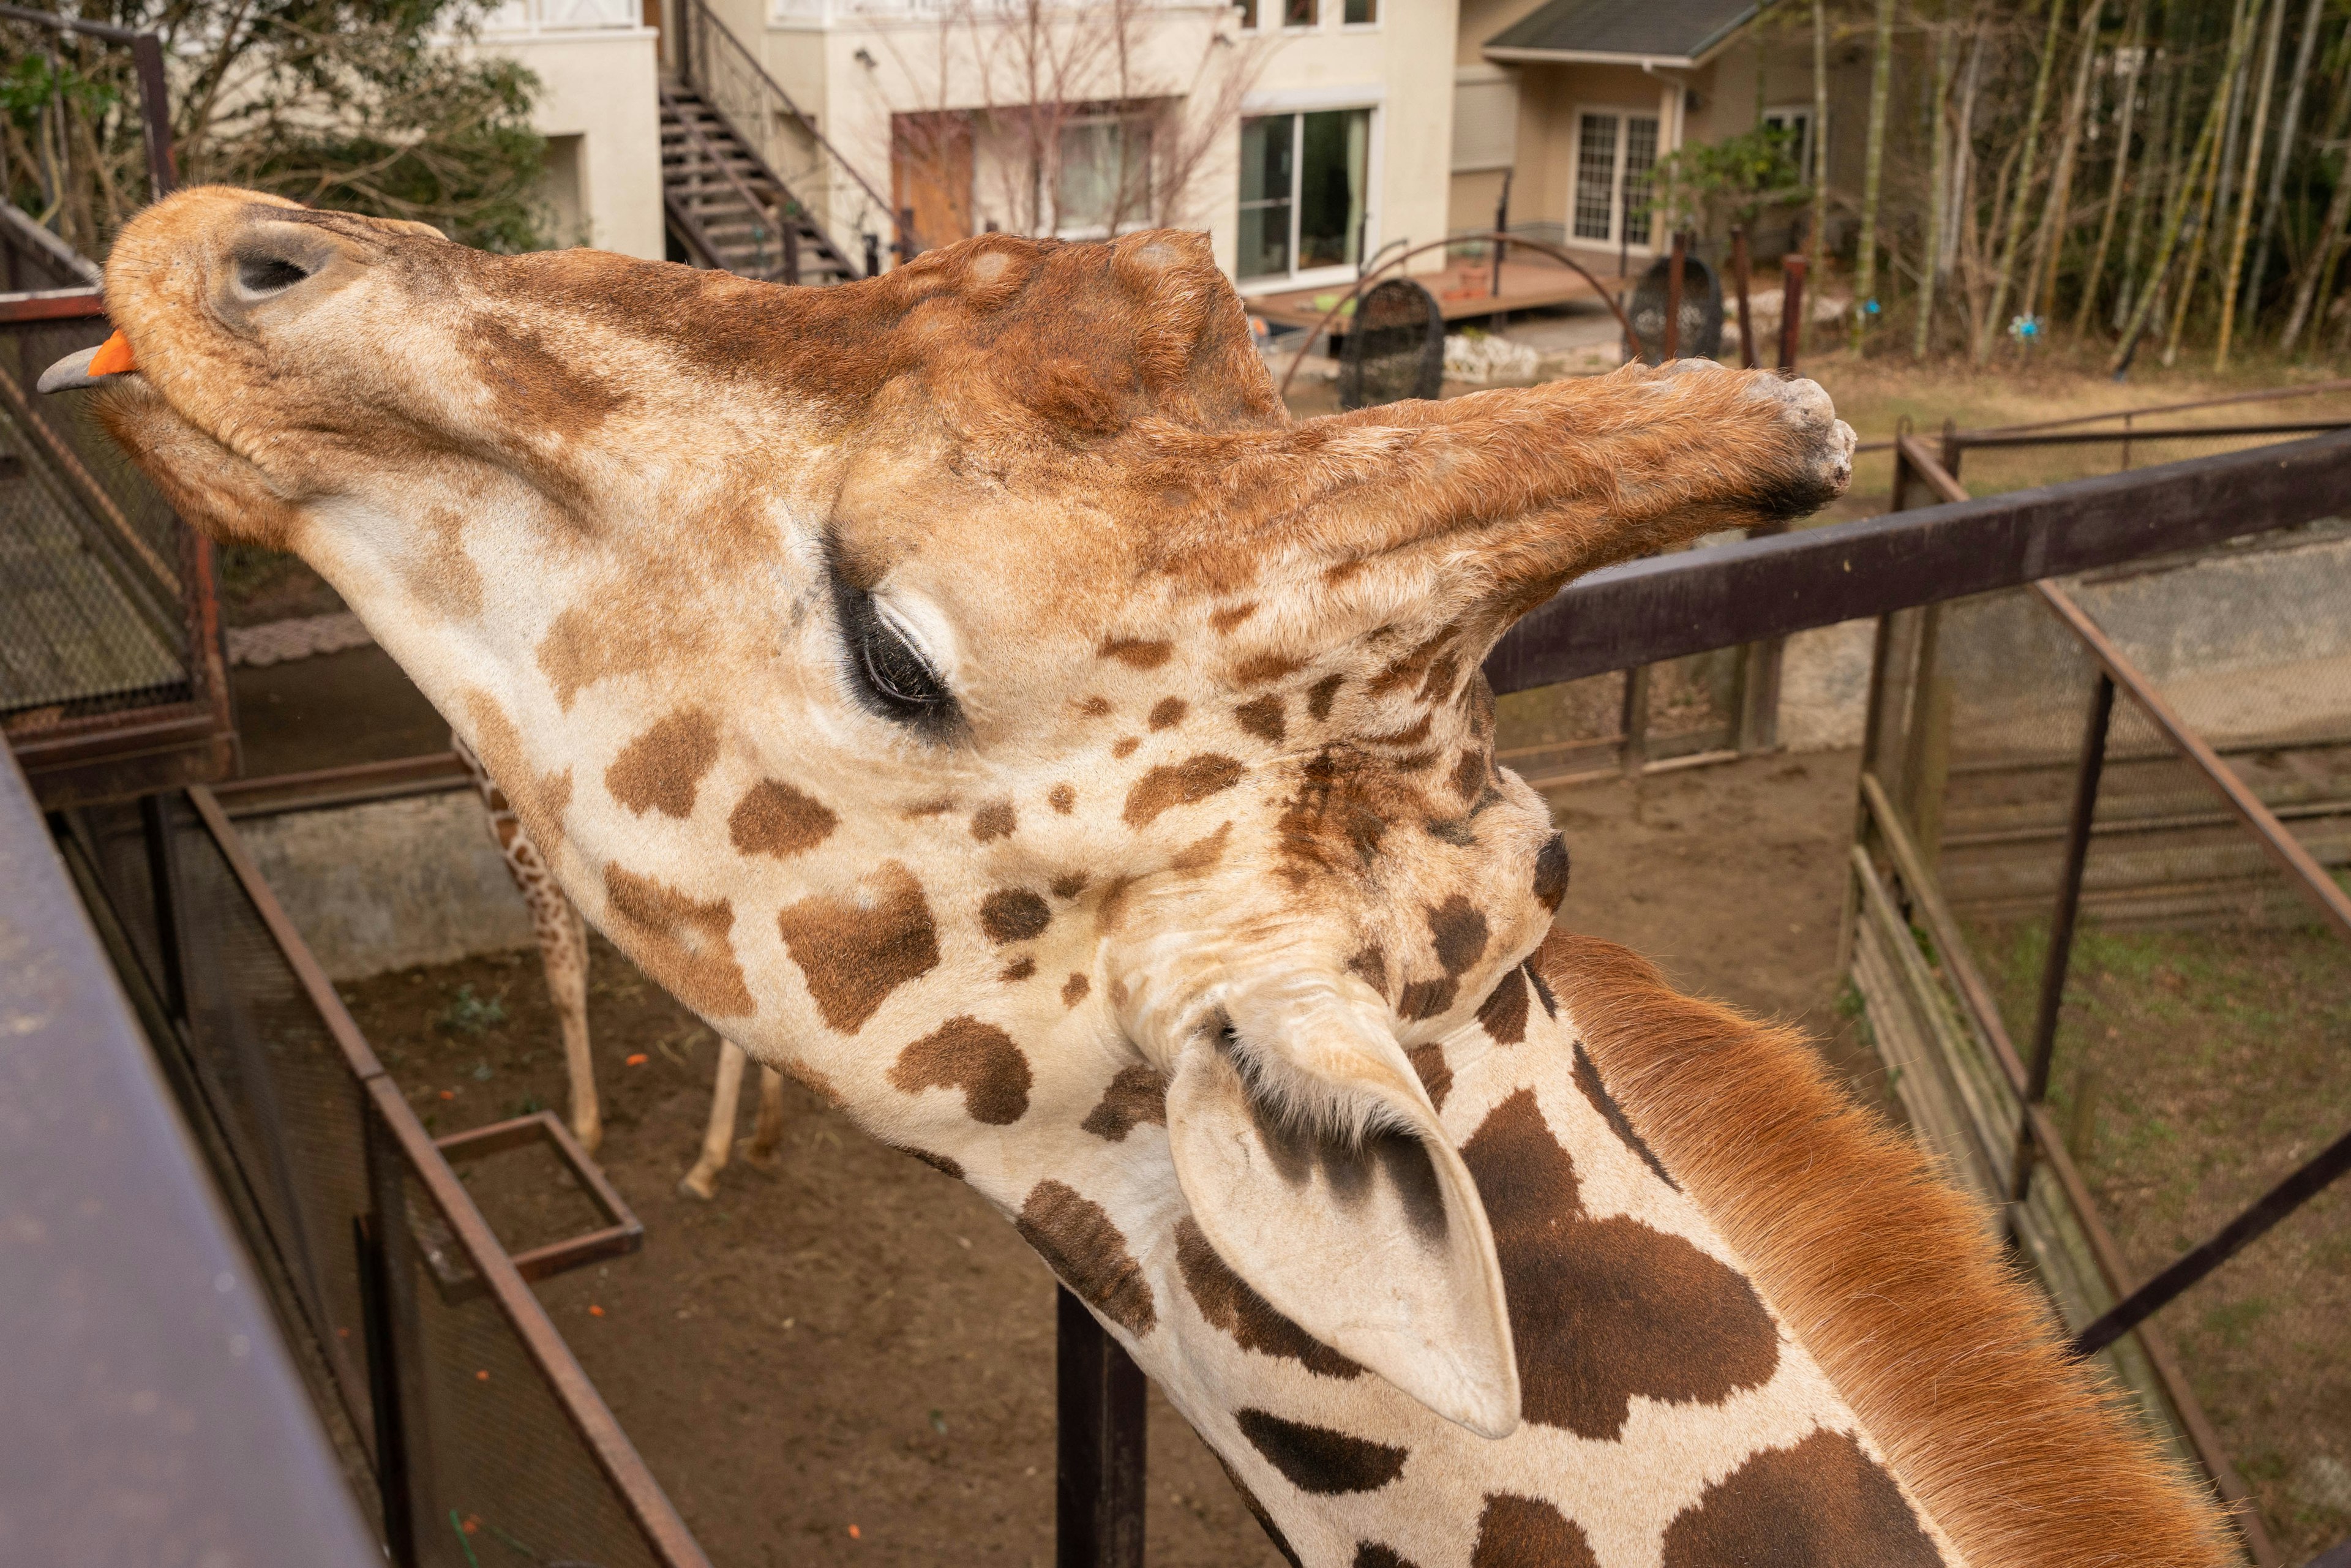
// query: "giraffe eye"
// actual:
[[888, 672]]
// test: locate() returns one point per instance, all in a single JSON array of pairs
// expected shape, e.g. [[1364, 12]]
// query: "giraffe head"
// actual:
[[967, 687]]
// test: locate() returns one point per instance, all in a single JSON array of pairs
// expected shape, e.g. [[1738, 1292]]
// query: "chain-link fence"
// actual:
[[2096, 899], [465, 1423]]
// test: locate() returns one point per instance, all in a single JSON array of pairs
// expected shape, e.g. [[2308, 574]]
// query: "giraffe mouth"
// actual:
[[87, 367]]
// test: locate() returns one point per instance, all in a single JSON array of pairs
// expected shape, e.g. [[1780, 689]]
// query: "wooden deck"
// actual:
[[1464, 289]]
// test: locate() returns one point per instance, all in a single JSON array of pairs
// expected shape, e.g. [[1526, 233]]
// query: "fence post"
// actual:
[[384, 1394], [1792, 308], [1669, 347], [1098, 1482], [2061, 925], [1501, 227]]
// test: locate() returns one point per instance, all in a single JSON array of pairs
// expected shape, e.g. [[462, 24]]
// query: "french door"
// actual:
[[1614, 154], [1305, 192]]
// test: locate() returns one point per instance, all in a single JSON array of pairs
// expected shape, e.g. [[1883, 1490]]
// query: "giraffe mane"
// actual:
[[1890, 1279]]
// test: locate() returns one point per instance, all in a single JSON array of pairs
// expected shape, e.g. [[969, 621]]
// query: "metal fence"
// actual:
[[2096, 921], [111, 674], [470, 1431]]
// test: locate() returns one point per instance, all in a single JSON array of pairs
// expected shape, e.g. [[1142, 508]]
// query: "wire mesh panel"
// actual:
[[1396, 347], [483, 1441]]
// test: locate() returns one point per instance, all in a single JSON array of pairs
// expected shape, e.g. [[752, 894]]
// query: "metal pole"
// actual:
[[2060, 922], [1792, 308], [791, 232], [1670, 348], [1098, 1484], [1738, 270], [689, 16], [383, 1397], [155, 110], [1501, 227]]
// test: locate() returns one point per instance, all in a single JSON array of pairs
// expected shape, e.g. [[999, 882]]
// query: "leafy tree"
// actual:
[[1706, 185], [384, 107]]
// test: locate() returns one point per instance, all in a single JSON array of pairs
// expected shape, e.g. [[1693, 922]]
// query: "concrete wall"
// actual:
[[601, 87], [390, 883]]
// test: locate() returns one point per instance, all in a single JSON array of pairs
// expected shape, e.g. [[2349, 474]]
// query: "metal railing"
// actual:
[[462, 1413], [730, 79]]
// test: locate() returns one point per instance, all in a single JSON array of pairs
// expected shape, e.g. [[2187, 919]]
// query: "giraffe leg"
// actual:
[[718, 1137], [563, 950], [768, 1131]]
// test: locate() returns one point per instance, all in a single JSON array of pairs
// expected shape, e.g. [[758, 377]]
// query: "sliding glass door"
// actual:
[[1305, 192]]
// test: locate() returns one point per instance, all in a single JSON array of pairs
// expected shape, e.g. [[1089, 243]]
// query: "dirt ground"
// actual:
[[848, 1338]]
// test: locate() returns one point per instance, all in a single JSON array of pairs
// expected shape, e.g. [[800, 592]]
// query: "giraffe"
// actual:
[[969, 691], [562, 939]]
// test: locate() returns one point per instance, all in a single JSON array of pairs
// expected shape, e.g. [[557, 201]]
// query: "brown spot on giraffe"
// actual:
[[1136, 653], [536, 387], [1223, 621], [1503, 1014], [1264, 669], [775, 818], [1551, 873], [1338, 815], [1262, 717], [1125, 745], [1412, 733], [1179, 784], [1069, 884], [978, 1059], [1426, 998], [1526, 1532], [1227, 1303], [1063, 798], [1370, 965], [1822, 1500], [1319, 1460], [679, 941], [1456, 929], [1079, 1241], [1438, 684], [938, 805], [538, 799], [1587, 1079], [996, 819], [1138, 1095], [1428, 1062], [1167, 713], [1020, 969], [662, 769], [1202, 854], [1095, 707], [1379, 1554], [1410, 667], [1470, 773], [1321, 695], [439, 573], [1604, 1310], [1074, 990], [1013, 914], [853, 952]]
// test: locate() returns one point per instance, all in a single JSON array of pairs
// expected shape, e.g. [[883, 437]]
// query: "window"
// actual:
[[1305, 184], [1797, 122], [1614, 155], [1247, 8], [1301, 12], [1104, 182], [1361, 13], [1485, 120]]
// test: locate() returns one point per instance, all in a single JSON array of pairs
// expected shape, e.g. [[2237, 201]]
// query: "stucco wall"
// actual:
[[603, 88]]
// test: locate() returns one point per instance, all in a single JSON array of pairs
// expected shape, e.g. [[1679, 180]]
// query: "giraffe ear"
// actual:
[[1319, 1172]]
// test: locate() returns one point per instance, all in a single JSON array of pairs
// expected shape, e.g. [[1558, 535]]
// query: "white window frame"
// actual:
[[1813, 145], [1379, 16], [1311, 102], [1621, 113]]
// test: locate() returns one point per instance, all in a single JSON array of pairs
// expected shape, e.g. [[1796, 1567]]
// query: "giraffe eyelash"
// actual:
[[886, 671]]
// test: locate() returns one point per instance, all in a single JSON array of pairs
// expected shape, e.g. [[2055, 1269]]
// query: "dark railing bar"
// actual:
[[1099, 1440], [2172, 432], [1670, 606], [2222, 1244]]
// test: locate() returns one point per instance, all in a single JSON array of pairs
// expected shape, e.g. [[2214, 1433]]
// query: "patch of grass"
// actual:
[[469, 1014], [2232, 1323]]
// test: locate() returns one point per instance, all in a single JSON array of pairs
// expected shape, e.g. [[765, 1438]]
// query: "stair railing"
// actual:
[[780, 226], [731, 79]]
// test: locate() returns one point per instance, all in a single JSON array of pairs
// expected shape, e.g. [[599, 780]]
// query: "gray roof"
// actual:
[[1651, 30]]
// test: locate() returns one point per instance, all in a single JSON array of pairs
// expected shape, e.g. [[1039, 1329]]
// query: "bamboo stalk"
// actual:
[[1818, 242], [2253, 176], [1937, 189], [2010, 234], [2154, 194], [2291, 123], [2320, 271], [2207, 147], [2135, 39], [2208, 179], [1881, 79], [2049, 241]]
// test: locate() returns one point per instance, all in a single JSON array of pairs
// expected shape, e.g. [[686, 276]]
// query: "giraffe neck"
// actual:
[[1668, 1410]]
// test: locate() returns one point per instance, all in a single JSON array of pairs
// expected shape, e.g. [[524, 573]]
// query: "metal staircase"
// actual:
[[728, 208]]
